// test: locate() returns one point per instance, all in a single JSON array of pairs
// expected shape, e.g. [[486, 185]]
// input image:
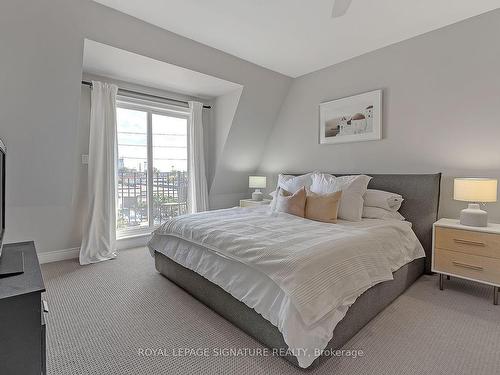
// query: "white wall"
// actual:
[[41, 44], [441, 110], [225, 108]]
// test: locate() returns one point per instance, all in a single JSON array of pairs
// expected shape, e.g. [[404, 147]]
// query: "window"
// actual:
[[152, 165]]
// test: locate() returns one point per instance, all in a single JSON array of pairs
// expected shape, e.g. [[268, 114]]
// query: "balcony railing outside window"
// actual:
[[169, 198]]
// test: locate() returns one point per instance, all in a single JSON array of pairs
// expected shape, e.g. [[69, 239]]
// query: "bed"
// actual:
[[185, 261]]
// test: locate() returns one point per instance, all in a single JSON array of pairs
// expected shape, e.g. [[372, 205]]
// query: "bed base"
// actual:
[[366, 307]]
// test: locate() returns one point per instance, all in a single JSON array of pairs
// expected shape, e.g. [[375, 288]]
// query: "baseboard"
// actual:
[[121, 244], [57, 255], [132, 242]]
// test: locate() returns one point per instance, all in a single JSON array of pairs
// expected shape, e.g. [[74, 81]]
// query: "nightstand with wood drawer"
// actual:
[[471, 253]]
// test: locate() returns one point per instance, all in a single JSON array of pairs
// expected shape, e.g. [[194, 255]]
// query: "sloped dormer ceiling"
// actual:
[[295, 37], [104, 60]]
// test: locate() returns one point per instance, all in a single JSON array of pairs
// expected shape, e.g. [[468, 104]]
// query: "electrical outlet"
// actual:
[[85, 159]]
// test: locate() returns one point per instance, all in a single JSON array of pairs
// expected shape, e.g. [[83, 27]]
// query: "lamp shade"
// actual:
[[257, 182], [475, 189]]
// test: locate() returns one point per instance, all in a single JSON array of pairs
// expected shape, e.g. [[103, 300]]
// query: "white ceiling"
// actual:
[[115, 63], [295, 37]]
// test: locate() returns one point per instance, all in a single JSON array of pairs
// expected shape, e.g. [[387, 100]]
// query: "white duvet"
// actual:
[[299, 274]]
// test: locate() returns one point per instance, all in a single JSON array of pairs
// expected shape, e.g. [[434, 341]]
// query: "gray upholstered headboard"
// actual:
[[420, 205]]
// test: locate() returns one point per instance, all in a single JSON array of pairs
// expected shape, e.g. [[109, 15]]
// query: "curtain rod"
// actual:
[[87, 83]]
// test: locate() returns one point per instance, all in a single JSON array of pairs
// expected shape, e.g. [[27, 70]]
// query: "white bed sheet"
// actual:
[[259, 292]]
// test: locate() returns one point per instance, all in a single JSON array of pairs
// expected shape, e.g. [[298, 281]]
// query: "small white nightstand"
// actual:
[[471, 253], [252, 203]]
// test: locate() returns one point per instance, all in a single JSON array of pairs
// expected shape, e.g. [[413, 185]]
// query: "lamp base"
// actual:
[[257, 195], [473, 216]]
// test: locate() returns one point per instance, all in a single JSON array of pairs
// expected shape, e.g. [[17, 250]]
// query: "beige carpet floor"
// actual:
[[103, 315]]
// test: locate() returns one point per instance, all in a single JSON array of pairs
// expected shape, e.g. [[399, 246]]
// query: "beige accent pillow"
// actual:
[[293, 204], [323, 207]]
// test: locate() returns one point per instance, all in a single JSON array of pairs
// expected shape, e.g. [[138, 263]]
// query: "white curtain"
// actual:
[[197, 188], [99, 234]]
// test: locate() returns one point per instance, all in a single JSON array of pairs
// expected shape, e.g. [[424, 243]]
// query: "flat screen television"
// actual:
[[11, 262], [2, 194]]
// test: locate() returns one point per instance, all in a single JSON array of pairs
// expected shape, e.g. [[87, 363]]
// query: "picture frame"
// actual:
[[355, 118]]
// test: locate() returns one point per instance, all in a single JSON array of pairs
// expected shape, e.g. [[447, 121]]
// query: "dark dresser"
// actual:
[[22, 324]]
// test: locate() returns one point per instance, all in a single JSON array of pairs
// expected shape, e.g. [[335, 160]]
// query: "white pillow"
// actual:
[[353, 188], [383, 199], [292, 184], [380, 213]]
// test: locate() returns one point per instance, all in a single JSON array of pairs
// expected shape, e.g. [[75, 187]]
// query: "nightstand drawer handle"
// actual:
[[466, 242], [465, 265]]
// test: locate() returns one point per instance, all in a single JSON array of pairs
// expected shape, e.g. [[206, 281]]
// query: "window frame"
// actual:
[[151, 108]]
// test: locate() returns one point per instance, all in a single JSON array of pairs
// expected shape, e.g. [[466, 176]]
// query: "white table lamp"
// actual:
[[475, 191], [257, 183]]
